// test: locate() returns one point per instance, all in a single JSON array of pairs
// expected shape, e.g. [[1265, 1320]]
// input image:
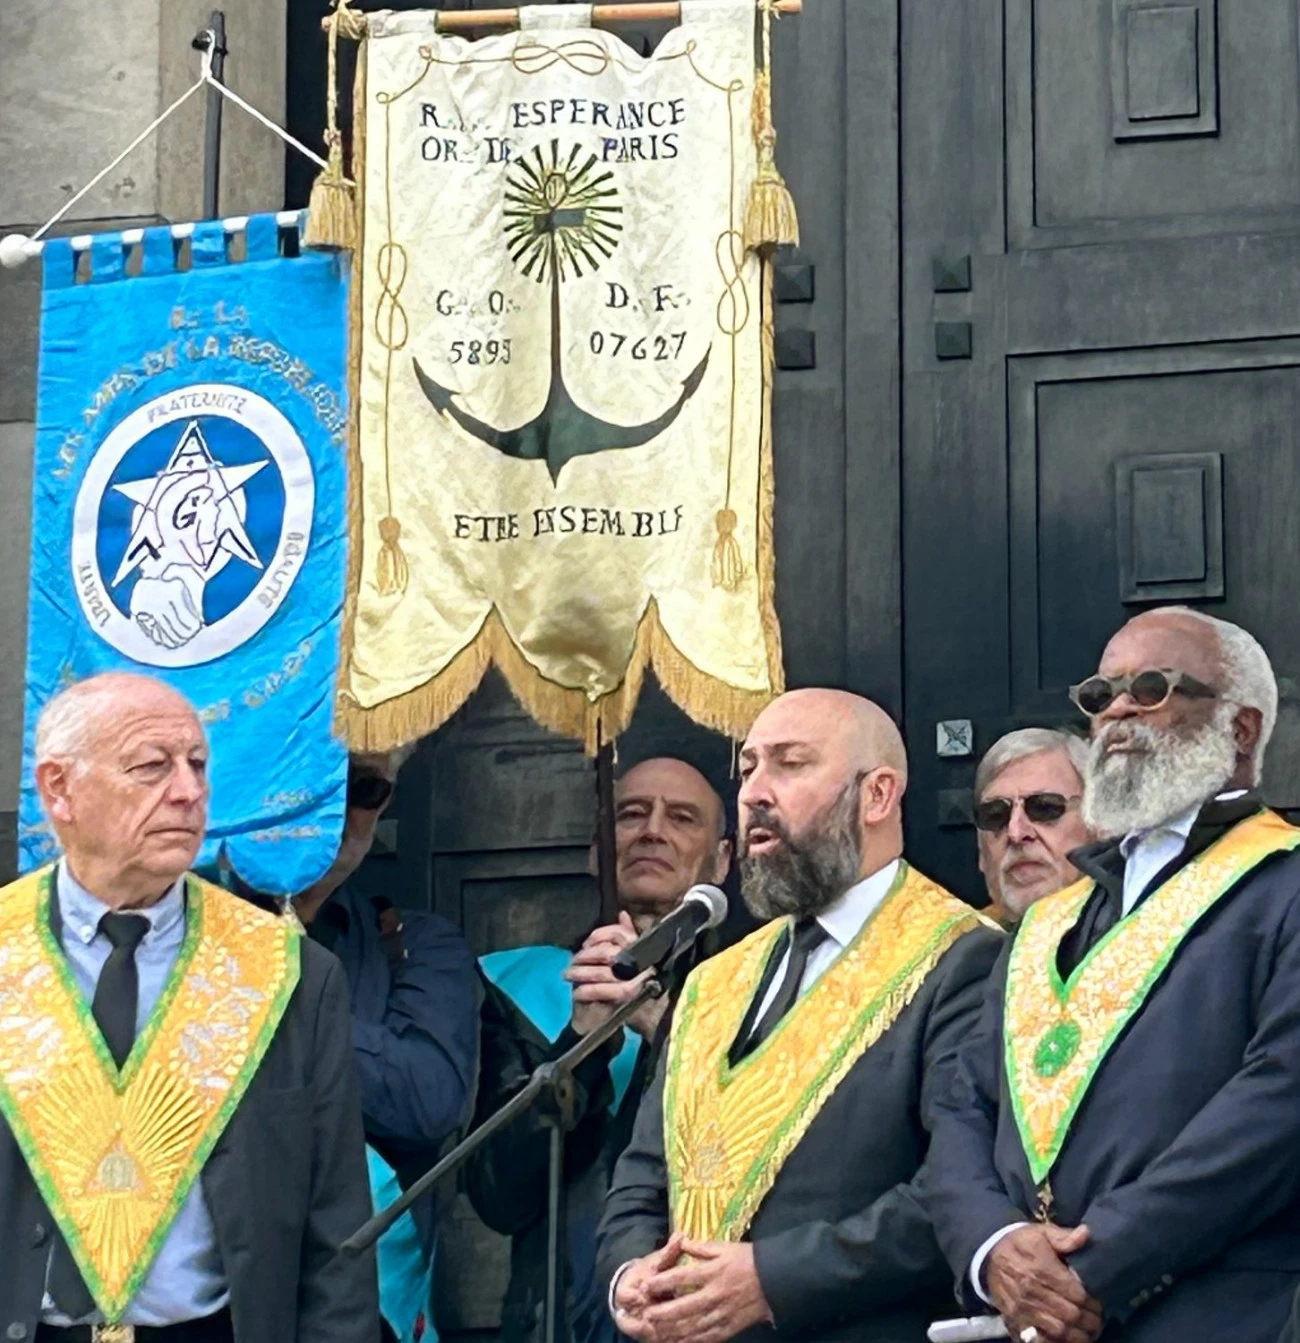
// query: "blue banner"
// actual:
[[189, 518]]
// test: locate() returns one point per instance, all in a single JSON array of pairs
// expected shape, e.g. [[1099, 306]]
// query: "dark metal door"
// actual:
[[1101, 347]]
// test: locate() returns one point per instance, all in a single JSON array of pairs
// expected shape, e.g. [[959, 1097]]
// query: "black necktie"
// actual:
[[808, 936], [117, 995]]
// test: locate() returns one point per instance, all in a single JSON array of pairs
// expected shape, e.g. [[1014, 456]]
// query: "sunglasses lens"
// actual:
[[994, 815], [1095, 696], [1044, 808], [1149, 689], [368, 792]]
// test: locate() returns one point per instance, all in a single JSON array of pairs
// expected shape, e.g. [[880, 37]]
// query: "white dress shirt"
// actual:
[[1146, 854], [843, 921]]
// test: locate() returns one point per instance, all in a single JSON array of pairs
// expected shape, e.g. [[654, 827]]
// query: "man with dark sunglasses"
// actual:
[[415, 1000], [1029, 817], [1118, 1155]]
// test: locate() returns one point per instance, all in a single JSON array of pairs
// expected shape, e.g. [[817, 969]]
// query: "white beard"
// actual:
[[1171, 773]]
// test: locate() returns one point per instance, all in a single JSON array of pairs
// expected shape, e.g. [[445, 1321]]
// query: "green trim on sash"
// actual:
[[1075, 1050], [114, 1306]]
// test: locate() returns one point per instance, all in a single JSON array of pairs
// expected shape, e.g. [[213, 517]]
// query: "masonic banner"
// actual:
[[189, 518], [564, 350]]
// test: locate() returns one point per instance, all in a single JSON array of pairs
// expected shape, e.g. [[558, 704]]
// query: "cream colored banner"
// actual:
[[563, 449]]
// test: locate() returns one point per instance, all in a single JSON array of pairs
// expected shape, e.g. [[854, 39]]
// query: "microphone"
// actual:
[[702, 907]]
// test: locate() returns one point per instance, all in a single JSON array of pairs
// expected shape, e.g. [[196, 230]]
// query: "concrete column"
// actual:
[[79, 79]]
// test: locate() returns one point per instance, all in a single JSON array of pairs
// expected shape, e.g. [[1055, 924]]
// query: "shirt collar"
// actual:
[[843, 921], [81, 911], [1180, 826]]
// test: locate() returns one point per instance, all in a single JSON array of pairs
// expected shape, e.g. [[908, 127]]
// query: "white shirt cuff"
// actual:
[[613, 1286], [976, 1264]]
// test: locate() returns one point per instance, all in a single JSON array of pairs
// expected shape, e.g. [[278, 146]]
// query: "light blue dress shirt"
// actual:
[[187, 1280]]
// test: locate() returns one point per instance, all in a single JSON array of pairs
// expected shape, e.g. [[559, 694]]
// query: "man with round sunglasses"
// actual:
[[1117, 1158], [1028, 813]]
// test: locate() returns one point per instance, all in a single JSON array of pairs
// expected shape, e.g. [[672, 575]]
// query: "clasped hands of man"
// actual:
[[700, 1291], [1033, 1287], [707, 1293]]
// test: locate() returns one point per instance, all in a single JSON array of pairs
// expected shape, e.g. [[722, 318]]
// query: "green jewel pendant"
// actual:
[[1057, 1047]]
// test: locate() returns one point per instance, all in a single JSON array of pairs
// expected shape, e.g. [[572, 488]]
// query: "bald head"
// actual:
[[858, 728], [71, 723], [822, 779], [121, 764]]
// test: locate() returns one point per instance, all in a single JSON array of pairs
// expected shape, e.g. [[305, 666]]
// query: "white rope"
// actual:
[[268, 123], [135, 144], [15, 248]]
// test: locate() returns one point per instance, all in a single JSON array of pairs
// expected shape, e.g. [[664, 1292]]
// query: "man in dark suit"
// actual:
[[771, 1187], [1119, 1155], [670, 834], [181, 1148]]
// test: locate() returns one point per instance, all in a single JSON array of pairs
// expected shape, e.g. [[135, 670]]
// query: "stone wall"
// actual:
[[79, 79]]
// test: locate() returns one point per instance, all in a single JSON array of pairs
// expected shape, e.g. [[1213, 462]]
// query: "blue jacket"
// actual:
[[1184, 1158], [415, 1002]]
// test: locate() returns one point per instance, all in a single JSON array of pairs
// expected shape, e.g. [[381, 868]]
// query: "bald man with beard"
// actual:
[[772, 1185]]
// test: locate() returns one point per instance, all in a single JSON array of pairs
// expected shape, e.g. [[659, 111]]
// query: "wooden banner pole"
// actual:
[[646, 11]]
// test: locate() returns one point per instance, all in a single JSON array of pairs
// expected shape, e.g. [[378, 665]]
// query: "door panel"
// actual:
[[1125, 177], [1142, 118]]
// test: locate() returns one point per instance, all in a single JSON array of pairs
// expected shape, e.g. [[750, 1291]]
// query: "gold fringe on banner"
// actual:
[[332, 208], [711, 702], [771, 219]]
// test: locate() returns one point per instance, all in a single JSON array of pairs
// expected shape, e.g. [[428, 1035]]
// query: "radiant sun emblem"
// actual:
[[562, 220], [561, 216]]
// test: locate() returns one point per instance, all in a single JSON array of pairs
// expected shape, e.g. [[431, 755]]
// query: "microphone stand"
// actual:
[[551, 1086]]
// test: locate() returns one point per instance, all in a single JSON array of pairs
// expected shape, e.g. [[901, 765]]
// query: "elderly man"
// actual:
[[181, 1149], [1028, 796], [771, 1188], [1119, 1153], [670, 835]]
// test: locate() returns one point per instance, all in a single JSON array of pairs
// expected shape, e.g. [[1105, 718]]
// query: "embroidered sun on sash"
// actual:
[[116, 1155], [727, 1131], [1057, 1034]]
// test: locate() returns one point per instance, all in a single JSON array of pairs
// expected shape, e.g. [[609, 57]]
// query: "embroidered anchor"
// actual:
[[560, 218]]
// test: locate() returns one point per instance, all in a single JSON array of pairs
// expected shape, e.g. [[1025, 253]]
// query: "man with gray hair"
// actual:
[[180, 1134], [1028, 814], [1119, 1149]]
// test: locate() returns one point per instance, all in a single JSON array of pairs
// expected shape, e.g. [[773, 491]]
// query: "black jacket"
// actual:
[[843, 1247], [506, 1180], [285, 1184], [1184, 1158]]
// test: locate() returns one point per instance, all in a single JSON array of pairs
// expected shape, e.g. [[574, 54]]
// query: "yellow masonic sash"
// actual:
[[727, 1131], [1057, 1033], [116, 1154]]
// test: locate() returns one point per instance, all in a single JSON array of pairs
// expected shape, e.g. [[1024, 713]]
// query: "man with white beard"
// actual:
[[1119, 1155]]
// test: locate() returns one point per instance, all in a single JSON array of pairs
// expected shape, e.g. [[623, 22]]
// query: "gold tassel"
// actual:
[[332, 209], [728, 566], [771, 219], [394, 572]]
